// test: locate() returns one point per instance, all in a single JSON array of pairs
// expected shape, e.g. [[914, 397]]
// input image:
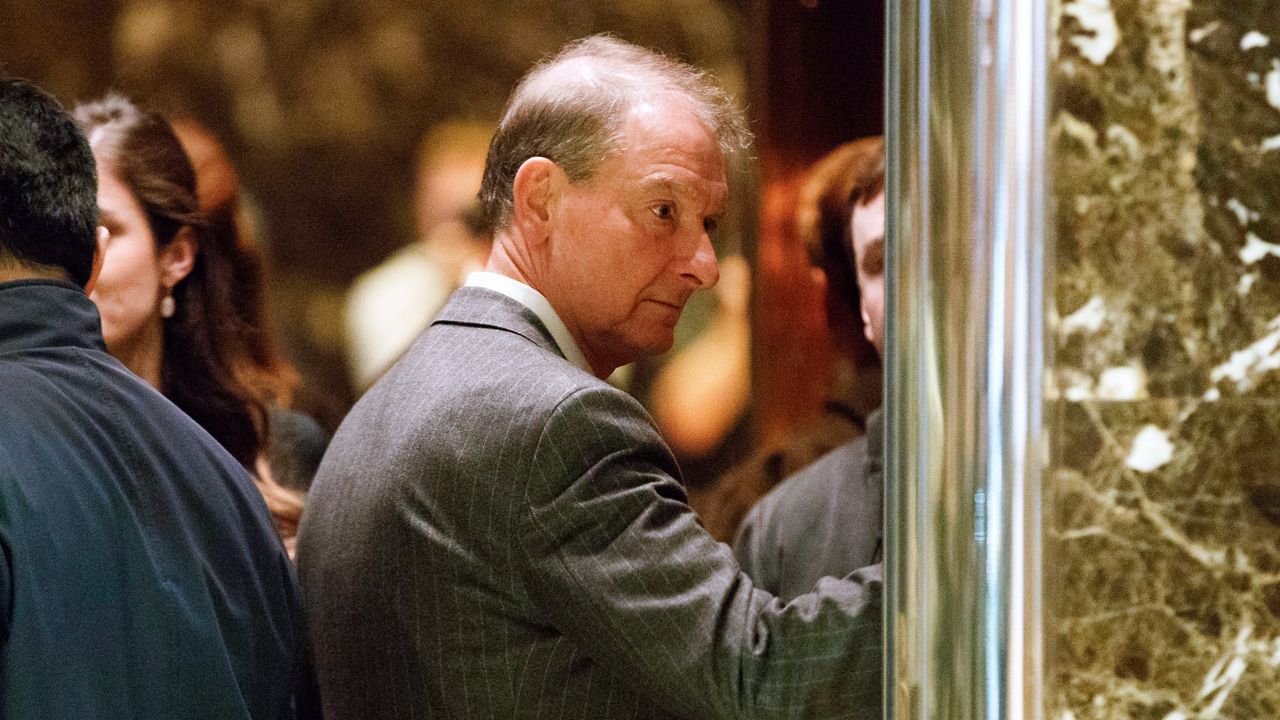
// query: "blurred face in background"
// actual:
[[446, 188], [867, 230]]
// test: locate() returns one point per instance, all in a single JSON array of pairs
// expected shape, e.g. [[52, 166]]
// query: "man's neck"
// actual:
[[512, 258], [504, 261], [520, 269], [11, 269]]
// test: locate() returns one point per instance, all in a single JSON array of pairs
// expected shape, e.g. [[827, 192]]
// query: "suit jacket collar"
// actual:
[[481, 307]]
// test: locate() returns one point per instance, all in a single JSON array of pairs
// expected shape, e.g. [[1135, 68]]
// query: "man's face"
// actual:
[[629, 246], [868, 257]]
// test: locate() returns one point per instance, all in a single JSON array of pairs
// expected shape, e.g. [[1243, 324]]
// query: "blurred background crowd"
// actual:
[[344, 142]]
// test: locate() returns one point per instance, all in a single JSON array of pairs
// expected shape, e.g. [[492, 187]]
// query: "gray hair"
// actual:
[[576, 121]]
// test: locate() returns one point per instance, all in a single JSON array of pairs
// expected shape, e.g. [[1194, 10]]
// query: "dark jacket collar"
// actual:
[[47, 313], [873, 469], [875, 444], [482, 307]]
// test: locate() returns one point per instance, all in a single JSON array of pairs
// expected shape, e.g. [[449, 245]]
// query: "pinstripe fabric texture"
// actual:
[[496, 534]]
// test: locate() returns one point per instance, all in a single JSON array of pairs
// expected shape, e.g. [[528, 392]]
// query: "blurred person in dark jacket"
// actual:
[[140, 576]]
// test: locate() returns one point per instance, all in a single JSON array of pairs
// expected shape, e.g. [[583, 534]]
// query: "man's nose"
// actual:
[[702, 269]]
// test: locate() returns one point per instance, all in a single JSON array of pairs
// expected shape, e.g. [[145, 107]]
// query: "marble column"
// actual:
[[1162, 522]]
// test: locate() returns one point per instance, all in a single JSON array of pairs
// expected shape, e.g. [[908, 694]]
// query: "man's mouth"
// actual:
[[671, 305]]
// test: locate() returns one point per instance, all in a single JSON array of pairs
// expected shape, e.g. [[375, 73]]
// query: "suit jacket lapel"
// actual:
[[482, 307]]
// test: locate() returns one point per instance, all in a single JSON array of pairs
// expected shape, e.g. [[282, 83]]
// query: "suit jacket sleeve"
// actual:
[[620, 563]]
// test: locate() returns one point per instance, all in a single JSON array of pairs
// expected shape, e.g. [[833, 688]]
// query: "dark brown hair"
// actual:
[[229, 233], [217, 365]]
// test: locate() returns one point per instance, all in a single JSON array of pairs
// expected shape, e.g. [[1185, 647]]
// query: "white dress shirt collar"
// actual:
[[533, 300]]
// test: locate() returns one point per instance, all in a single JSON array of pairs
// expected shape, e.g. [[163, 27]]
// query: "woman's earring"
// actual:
[[168, 306]]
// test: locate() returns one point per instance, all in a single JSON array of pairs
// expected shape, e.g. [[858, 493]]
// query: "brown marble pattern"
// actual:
[[1163, 518]]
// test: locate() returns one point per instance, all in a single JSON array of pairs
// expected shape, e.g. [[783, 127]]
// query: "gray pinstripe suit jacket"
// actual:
[[494, 533]]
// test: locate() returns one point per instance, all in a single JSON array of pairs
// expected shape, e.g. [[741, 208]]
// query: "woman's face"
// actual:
[[130, 286]]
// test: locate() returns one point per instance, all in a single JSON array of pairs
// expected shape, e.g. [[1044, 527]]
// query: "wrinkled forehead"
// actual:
[[667, 144]]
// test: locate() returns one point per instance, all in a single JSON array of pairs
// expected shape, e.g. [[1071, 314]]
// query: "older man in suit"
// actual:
[[498, 533]]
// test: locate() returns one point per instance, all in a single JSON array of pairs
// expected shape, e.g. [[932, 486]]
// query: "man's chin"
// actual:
[[639, 341]]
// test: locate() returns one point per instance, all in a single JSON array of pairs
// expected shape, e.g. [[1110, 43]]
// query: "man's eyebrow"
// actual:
[[664, 183]]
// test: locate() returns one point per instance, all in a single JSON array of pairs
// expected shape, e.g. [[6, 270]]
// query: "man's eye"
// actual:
[[710, 226], [664, 211]]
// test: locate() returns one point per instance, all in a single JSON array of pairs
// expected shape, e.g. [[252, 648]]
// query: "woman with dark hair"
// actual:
[[295, 441], [170, 295]]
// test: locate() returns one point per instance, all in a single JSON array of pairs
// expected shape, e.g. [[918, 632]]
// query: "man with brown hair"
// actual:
[[826, 519], [821, 220]]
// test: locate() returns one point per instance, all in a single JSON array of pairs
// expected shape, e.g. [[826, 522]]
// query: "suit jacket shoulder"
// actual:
[[824, 521]]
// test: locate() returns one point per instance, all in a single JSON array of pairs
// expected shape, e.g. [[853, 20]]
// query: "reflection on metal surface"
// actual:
[[965, 357]]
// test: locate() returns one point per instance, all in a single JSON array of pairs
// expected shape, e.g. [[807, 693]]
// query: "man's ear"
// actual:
[[534, 192], [101, 236], [178, 257]]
